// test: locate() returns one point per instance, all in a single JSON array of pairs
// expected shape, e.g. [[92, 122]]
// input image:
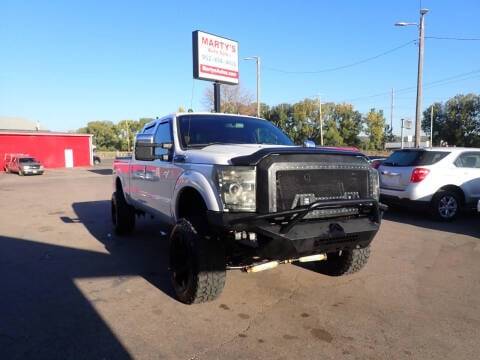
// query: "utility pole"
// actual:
[[401, 134], [320, 119], [257, 60], [258, 86], [418, 111], [128, 135], [431, 126], [421, 40], [391, 110]]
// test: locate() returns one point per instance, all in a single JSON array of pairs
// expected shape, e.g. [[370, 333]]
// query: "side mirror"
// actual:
[[145, 147], [309, 143]]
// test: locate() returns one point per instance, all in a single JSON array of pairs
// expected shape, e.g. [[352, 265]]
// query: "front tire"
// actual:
[[197, 264], [123, 215], [345, 263]]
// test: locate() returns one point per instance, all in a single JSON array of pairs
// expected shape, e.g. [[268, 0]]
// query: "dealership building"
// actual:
[[52, 149]]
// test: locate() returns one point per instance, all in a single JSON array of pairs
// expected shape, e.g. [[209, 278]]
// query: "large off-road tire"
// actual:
[[445, 205], [197, 264], [348, 262], [123, 215]]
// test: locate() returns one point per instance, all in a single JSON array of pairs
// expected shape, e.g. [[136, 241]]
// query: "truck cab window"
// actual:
[[163, 135]]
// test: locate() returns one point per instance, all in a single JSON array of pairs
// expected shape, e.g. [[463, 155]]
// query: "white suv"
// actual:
[[444, 179]]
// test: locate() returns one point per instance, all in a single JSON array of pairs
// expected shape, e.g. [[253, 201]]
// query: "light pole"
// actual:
[[320, 119], [257, 60], [421, 39]]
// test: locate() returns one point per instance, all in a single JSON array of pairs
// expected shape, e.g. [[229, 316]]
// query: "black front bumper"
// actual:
[[294, 237]]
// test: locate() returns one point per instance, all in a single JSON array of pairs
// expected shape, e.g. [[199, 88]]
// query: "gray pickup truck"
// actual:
[[239, 194]]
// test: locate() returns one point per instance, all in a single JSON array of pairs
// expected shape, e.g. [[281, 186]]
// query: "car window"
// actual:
[[468, 160], [149, 130], [163, 135], [414, 158]]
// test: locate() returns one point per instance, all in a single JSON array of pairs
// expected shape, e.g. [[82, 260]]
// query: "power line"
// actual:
[[343, 66], [451, 38], [444, 81]]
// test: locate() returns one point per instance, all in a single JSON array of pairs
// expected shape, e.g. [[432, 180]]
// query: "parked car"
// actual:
[[376, 161], [23, 164], [240, 195], [445, 180]]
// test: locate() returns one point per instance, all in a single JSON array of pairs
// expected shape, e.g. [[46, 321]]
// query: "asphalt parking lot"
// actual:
[[69, 289]]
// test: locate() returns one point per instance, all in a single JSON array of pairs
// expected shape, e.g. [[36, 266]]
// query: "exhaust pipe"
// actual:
[[317, 257], [261, 267]]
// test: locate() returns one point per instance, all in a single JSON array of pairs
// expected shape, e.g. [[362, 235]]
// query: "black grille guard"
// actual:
[[300, 212]]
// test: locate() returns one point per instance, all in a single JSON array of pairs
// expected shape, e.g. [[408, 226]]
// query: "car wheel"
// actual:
[[445, 205], [345, 262], [123, 215], [197, 264]]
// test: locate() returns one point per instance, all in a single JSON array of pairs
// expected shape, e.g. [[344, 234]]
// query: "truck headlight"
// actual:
[[374, 184], [236, 185]]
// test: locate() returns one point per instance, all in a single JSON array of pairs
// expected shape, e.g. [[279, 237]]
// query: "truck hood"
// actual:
[[222, 154]]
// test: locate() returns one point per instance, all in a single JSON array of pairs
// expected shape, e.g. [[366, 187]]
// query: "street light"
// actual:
[[257, 59], [421, 39]]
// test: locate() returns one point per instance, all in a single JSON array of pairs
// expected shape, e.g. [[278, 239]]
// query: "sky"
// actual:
[[65, 63]]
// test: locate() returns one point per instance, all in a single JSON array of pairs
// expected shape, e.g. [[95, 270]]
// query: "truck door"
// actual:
[[162, 174], [138, 184]]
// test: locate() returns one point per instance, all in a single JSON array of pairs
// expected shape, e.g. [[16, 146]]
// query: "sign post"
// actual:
[[215, 59], [216, 97]]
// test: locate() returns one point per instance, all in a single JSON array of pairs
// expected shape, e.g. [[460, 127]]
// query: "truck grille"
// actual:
[[303, 187]]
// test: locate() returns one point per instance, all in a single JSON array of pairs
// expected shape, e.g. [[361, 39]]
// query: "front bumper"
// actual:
[[32, 171], [294, 237]]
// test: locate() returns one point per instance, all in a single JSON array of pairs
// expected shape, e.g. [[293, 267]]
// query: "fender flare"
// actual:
[[199, 182]]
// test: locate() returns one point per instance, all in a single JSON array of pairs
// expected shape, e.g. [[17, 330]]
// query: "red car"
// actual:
[[22, 164]]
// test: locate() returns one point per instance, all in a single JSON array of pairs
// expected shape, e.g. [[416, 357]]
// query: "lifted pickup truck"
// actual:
[[240, 195]]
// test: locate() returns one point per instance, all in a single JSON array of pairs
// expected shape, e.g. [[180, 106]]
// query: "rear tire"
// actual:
[[197, 264], [349, 262], [445, 205], [123, 215]]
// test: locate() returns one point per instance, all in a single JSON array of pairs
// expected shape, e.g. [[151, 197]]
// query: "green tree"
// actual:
[[104, 134], [457, 122], [349, 122], [375, 129]]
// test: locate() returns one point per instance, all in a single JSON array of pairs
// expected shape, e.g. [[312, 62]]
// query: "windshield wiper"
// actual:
[[195, 146]]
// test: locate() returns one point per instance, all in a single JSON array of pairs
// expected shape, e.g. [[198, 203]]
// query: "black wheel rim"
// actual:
[[180, 263]]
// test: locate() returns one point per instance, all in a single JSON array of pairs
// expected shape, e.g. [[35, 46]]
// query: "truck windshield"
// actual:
[[197, 131], [27, 160]]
